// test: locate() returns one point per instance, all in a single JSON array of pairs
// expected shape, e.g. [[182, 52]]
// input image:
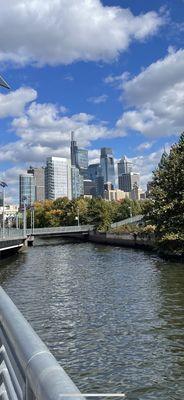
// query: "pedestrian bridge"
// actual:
[[61, 230]]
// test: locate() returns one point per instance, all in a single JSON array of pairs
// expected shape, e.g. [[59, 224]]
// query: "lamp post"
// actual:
[[4, 84], [130, 208], [24, 198], [77, 217], [3, 185], [32, 219]]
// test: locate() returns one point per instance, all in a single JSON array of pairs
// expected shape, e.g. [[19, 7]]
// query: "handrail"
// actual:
[[27, 362]]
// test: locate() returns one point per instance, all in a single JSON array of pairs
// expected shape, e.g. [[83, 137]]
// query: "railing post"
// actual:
[[29, 395]]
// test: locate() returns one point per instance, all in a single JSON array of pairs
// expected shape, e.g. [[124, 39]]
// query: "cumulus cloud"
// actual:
[[42, 129], [63, 31], [156, 98], [13, 103]]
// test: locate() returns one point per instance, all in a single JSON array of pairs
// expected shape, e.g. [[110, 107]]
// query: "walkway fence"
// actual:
[[19, 233], [128, 221], [28, 371]]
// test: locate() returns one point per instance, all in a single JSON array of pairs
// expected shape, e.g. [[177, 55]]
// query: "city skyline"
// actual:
[[119, 85]]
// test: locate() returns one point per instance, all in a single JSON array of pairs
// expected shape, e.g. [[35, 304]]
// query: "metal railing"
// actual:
[[61, 229], [28, 370], [19, 233], [11, 233], [131, 220]]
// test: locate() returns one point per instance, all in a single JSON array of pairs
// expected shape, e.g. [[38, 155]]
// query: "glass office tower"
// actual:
[[107, 165], [57, 178], [26, 189]]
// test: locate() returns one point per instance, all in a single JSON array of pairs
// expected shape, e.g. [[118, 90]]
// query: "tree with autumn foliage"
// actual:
[[166, 208]]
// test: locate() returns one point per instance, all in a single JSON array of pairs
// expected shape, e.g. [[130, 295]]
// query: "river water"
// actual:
[[113, 317]]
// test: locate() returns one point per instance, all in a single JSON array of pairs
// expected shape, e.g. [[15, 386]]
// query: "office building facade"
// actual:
[[57, 178], [126, 182], [77, 185], [107, 165], [26, 190], [39, 175], [124, 166], [94, 170]]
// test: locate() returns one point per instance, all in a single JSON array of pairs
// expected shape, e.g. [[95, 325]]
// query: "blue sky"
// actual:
[[110, 70]]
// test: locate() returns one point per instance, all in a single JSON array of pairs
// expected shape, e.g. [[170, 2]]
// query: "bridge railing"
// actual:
[[60, 229], [28, 370], [11, 233], [127, 221]]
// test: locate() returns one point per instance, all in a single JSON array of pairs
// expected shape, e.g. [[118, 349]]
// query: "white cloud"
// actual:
[[117, 80], [145, 146], [13, 103], [62, 31], [99, 99], [42, 129], [146, 165], [156, 98]]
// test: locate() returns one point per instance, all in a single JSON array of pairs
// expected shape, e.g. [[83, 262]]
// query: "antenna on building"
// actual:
[[72, 136]]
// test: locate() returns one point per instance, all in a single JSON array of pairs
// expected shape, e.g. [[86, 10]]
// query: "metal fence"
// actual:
[[60, 229], [19, 233], [11, 233], [28, 370], [127, 221]]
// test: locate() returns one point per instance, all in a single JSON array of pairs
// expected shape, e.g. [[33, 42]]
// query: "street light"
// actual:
[[4, 84], [77, 218], [130, 208], [24, 198], [32, 219], [3, 185]]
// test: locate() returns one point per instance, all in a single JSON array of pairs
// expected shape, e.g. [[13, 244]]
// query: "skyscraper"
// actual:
[[94, 170], [79, 160], [73, 150], [26, 189], [77, 184], [127, 181], [57, 178], [124, 166], [107, 165], [39, 175]]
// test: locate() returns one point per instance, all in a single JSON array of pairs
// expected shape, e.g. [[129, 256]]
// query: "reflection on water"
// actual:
[[113, 317]]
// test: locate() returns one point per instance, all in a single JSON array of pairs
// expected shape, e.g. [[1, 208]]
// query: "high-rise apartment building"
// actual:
[[57, 178], [39, 175], [26, 190], [126, 182], [107, 165], [124, 166]]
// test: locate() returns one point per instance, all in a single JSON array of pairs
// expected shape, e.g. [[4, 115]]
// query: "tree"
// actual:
[[167, 194]]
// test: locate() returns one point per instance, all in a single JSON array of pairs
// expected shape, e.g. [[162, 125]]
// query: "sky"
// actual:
[[112, 71]]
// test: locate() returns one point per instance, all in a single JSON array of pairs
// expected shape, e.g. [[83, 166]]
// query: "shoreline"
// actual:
[[132, 241]]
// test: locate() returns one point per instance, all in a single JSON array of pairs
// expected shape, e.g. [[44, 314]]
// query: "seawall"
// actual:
[[124, 239]]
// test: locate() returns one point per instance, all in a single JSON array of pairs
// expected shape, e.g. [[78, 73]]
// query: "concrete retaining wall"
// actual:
[[10, 246], [125, 239]]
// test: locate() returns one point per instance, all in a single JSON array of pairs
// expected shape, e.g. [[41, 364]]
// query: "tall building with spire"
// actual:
[[73, 150]]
